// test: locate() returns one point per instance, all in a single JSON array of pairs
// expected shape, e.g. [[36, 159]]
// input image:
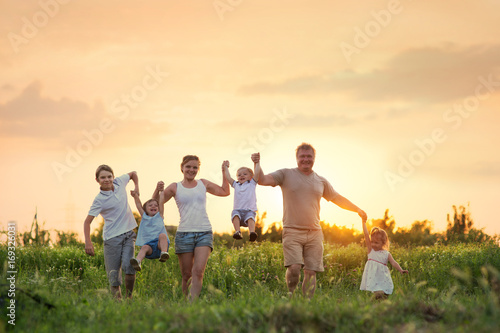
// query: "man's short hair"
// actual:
[[305, 146]]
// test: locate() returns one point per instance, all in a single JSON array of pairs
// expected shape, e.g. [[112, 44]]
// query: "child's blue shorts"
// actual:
[[156, 249], [244, 215]]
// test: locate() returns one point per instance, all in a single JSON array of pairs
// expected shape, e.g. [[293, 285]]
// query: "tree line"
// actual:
[[460, 229]]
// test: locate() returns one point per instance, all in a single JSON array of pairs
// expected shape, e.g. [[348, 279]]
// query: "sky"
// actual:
[[400, 99]]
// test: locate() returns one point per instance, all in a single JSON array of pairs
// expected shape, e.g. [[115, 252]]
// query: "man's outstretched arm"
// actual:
[[344, 203], [266, 180]]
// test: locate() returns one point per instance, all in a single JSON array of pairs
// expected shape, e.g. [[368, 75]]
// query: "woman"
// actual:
[[194, 237]]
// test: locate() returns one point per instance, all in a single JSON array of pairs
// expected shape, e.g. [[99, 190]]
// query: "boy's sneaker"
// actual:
[[237, 235], [164, 256], [136, 264], [253, 236]]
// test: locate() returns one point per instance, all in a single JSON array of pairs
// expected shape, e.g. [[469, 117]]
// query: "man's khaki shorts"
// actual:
[[303, 247]]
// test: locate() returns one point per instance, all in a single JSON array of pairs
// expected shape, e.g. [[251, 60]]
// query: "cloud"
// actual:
[[425, 75], [7, 87], [31, 115], [63, 122]]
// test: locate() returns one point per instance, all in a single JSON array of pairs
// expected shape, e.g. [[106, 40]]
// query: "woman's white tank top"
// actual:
[[192, 205]]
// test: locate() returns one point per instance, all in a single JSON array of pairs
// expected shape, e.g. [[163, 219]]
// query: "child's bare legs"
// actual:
[[251, 225], [251, 229], [163, 242], [136, 262], [145, 250], [163, 245], [236, 224]]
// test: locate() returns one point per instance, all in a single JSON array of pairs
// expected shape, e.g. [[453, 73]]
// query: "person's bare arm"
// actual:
[[137, 201], [168, 193], [344, 203], [396, 265], [89, 247], [227, 175], [133, 177], [367, 237], [220, 191], [161, 203], [256, 171], [266, 180]]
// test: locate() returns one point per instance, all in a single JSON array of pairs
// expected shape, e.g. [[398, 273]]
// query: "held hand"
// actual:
[[404, 271], [256, 157], [160, 185], [89, 249], [363, 216], [134, 193], [225, 164]]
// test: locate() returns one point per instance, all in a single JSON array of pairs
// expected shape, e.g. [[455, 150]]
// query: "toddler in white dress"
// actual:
[[376, 276]]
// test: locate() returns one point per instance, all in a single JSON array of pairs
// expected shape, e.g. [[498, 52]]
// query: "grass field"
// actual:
[[449, 289]]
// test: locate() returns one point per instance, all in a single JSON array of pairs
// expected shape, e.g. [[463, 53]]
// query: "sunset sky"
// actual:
[[400, 98]]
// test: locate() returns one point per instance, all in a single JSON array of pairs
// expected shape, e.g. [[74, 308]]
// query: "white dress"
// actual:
[[376, 275]]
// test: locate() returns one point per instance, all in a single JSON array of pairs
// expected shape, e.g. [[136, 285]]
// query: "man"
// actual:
[[302, 235]]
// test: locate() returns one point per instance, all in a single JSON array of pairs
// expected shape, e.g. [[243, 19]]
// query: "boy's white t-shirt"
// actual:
[[244, 195], [114, 208]]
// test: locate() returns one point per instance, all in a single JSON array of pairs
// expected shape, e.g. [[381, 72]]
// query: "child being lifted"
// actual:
[[245, 200], [152, 235]]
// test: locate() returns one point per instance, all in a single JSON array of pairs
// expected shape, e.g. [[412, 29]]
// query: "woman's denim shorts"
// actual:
[[186, 242]]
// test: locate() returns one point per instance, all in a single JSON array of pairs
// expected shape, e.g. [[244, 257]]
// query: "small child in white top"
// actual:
[[376, 276], [152, 235], [245, 199]]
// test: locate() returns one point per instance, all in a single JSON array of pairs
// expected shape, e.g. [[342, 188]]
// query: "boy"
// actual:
[[119, 222], [245, 200]]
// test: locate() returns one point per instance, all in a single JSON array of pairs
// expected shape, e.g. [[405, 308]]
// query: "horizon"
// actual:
[[266, 225]]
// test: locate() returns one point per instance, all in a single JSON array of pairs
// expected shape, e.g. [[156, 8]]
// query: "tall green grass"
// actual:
[[449, 288]]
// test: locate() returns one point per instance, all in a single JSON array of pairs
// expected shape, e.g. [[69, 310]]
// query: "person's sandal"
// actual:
[[253, 236], [164, 256], [237, 235], [136, 264]]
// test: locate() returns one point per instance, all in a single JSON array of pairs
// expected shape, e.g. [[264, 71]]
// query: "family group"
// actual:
[[302, 237]]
